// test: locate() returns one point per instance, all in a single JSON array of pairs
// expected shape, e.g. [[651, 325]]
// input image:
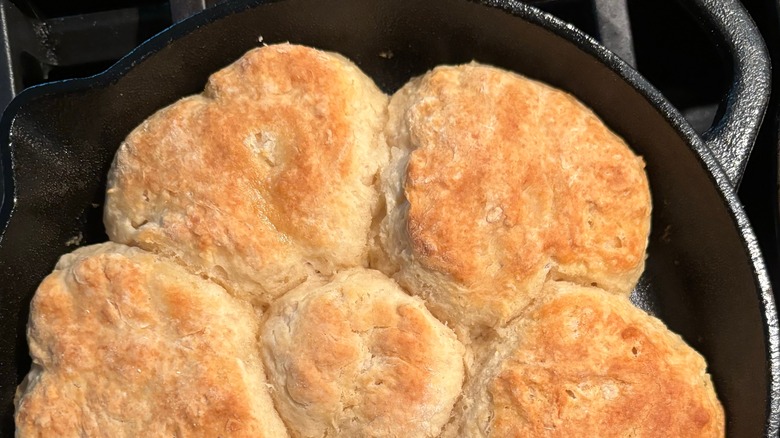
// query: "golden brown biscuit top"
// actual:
[[268, 181], [125, 344], [358, 357], [261, 180], [591, 364], [508, 177]]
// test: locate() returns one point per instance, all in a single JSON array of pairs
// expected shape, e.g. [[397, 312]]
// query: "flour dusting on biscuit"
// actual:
[[357, 357]]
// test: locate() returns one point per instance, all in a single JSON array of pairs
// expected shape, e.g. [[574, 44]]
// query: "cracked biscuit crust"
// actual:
[[497, 182], [359, 358], [585, 363], [125, 344], [265, 178]]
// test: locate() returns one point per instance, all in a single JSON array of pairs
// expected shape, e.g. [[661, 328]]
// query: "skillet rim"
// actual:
[[560, 28]]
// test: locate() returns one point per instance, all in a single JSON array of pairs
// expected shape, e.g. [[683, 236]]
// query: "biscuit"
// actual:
[[496, 183], [586, 363], [359, 358], [126, 344], [264, 179]]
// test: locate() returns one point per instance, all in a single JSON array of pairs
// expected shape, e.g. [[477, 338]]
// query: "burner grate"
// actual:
[[38, 50], [47, 40], [38, 47]]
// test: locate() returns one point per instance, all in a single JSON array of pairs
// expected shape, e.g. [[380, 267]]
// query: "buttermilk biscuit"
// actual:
[[126, 344], [589, 364], [497, 182], [264, 179], [359, 358]]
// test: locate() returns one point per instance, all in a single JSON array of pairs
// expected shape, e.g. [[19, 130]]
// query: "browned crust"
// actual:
[[585, 363], [125, 344], [508, 181], [261, 181]]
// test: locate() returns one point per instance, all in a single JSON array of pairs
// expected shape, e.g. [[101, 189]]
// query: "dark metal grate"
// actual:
[[40, 47], [48, 40]]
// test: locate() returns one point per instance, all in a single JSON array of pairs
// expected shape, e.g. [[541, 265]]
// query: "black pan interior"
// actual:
[[699, 276]]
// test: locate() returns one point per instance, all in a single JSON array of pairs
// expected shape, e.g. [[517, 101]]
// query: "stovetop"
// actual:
[[49, 40]]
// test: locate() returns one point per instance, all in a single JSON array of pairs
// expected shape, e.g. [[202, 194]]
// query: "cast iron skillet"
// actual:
[[705, 277]]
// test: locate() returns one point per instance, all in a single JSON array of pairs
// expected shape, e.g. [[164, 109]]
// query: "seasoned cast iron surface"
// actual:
[[703, 275]]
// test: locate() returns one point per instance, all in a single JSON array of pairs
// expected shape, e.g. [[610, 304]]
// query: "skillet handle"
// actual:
[[735, 129]]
